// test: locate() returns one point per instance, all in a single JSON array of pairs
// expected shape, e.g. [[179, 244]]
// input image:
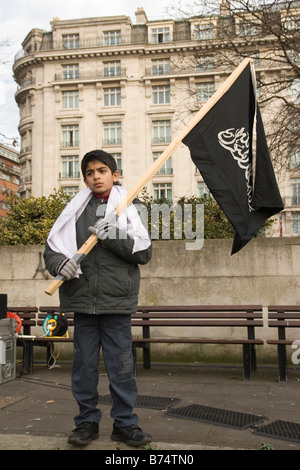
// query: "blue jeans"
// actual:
[[113, 334]]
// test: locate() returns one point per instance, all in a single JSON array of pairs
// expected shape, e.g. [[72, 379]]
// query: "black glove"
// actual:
[[67, 268]]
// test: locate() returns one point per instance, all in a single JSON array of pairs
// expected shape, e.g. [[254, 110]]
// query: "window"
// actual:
[[295, 191], [70, 166], [26, 172], [112, 69], [112, 38], [249, 28], [70, 41], [70, 190], [160, 66], [6, 177], [161, 132], [70, 99], [166, 169], [112, 133], [112, 96], [26, 106], [296, 224], [70, 135], [294, 87], [70, 71], [26, 141], [163, 191], [204, 90], [118, 158], [295, 159], [161, 94], [159, 35], [293, 55], [292, 22], [204, 31], [205, 63], [202, 189]]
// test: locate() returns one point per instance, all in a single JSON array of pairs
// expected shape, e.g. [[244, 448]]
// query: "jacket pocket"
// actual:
[[72, 292], [115, 283]]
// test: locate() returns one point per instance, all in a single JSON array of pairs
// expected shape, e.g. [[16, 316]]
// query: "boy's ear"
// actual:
[[116, 175]]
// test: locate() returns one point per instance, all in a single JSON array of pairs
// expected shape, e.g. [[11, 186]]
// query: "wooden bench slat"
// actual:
[[196, 315], [24, 312], [28, 322], [280, 341], [284, 323], [23, 309], [283, 308], [51, 339], [203, 323], [197, 340], [198, 308], [280, 316]]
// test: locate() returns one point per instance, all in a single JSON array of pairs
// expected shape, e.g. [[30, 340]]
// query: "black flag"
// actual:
[[228, 146]]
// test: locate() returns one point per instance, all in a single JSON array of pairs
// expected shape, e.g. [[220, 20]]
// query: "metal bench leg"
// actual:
[[253, 357], [27, 357], [147, 356], [146, 348], [251, 335], [282, 362], [247, 361]]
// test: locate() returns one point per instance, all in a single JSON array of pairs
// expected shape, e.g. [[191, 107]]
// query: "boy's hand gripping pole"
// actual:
[[78, 257]]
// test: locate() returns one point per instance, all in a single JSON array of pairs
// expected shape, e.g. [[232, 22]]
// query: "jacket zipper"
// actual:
[[95, 297]]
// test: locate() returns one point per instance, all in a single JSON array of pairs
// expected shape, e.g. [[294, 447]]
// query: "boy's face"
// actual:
[[99, 178]]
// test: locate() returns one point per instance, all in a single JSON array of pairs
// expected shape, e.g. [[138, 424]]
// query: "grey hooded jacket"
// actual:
[[110, 279]]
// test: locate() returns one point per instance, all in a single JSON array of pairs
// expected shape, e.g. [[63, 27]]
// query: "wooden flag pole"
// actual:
[[134, 191]]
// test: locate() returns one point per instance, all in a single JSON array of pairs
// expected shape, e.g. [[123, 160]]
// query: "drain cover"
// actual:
[[217, 416], [144, 401], [284, 430]]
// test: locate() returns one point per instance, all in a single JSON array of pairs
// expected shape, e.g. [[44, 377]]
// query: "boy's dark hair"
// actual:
[[101, 156]]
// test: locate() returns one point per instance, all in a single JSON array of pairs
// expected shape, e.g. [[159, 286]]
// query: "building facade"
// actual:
[[128, 89], [9, 175]]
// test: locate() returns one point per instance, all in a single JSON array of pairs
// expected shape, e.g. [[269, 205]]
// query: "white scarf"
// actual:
[[62, 237]]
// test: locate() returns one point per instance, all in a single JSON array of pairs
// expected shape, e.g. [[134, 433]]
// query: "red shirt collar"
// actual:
[[98, 196]]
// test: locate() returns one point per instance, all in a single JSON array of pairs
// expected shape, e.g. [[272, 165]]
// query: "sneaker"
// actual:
[[131, 435], [84, 434]]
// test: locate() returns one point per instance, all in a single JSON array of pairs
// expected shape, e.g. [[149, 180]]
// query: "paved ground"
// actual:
[[36, 411]]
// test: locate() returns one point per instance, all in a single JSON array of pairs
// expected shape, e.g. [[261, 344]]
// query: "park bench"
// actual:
[[244, 317], [282, 317]]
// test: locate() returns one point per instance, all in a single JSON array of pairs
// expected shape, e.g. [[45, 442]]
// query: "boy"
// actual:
[[102, 293]]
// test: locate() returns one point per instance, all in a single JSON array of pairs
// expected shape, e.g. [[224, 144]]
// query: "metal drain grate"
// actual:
[[216, 416], [284, 430], [144, 401]]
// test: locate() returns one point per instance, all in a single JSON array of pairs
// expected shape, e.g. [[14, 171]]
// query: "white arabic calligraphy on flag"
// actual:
[[237, 142]]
